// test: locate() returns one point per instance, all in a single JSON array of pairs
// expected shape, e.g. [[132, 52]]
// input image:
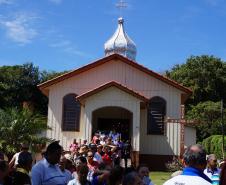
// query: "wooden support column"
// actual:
[[182, 122]]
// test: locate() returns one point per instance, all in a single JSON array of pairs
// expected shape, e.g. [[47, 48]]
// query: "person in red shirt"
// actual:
[[107, 155], [93, 165]]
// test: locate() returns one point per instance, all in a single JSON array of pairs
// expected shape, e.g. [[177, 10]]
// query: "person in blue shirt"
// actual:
[[195, 162], [47, 171], [62, 165], [212, 171]]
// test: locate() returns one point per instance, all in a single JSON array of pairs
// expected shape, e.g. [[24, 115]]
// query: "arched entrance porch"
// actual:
[[113, 118], [118, 100]]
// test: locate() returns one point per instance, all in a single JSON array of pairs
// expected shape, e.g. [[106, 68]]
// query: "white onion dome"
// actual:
[[120, 43]]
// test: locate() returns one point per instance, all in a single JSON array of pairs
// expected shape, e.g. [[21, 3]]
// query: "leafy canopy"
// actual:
[[208, 115], [205, 75], [18, 84], [20, 126]]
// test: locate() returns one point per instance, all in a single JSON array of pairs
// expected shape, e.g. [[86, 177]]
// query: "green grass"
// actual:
[[158, 178]]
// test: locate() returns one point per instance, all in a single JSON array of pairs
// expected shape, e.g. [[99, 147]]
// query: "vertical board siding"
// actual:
[[189, 136], [111, 71], [168, 144]]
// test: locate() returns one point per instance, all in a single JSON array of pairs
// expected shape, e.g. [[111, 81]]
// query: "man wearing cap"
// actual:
[[47, 171]]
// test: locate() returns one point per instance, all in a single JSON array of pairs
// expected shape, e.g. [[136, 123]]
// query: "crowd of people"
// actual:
[[107, 148], [98, 163], [97, 166]]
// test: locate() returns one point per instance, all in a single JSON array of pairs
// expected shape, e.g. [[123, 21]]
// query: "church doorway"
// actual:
[[113, 119]]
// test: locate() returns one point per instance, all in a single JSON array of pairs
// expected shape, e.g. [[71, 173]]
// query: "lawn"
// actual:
[[158, 178]]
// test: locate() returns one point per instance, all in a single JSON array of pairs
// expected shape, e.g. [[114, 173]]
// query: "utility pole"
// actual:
[[222, 126]]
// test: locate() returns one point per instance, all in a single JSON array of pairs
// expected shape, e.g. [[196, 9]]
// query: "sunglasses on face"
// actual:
[[90, 156], [78, 163]]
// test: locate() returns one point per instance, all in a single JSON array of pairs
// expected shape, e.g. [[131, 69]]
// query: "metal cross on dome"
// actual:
[[120, 5]]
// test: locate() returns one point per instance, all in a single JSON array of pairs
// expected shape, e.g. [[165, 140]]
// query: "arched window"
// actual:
[[71, 113], [156, 114]]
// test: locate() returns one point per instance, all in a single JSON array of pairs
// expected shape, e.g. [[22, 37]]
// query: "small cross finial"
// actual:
[[120, 5]]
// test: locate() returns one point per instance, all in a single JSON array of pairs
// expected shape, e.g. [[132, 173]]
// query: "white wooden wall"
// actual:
[[189, 136], [168, 144]]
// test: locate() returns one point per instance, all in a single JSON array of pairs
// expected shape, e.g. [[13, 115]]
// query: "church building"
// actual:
[[116, 92]]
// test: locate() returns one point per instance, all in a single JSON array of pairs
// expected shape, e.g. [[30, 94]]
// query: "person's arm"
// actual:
[[113, 148], [12, 162]]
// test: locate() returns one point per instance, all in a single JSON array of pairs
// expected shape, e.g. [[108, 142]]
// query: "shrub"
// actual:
[[213, 145], [174, 165]]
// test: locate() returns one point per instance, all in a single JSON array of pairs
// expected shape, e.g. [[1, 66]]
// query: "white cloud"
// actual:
[[56, 1], [19, 28], [68, 47], [6, 2], [75, 51]]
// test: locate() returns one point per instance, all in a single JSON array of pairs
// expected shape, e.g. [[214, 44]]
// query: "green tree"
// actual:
[[48, 75], [213, 145], [21, 126], [18, 84], [205, 75], [208, 116]]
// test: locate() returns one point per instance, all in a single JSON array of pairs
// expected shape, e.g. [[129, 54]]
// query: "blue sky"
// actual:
[[67, 34]]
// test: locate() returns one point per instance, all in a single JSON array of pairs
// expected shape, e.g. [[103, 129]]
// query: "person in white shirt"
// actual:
[[195, 162], [14, 161], [212, 171], [81, 178]]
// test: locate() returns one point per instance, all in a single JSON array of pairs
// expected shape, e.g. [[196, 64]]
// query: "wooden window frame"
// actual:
[[64, 126], [150, 131]]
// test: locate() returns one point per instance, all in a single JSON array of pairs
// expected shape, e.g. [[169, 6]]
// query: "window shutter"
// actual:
[[71, 113], [156, 115]]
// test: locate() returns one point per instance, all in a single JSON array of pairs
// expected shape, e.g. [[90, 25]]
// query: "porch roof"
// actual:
[[112, 84]]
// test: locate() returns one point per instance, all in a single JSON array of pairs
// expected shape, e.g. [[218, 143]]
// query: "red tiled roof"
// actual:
[[106, 59], [110, 84]]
